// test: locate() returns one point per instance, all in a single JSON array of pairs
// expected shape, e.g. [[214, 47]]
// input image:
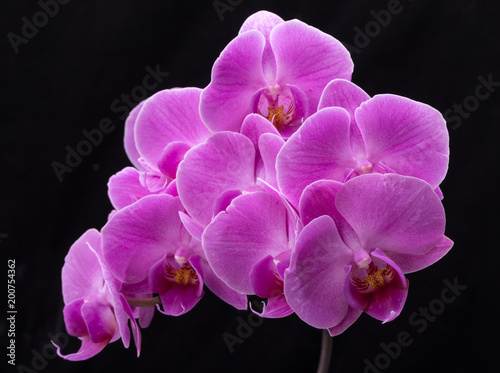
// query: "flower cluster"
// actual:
[[280, 179]]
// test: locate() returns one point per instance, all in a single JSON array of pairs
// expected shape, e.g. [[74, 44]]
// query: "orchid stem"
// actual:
[[137, 302], [326, 352]]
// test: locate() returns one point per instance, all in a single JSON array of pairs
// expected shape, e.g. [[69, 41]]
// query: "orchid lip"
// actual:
[[277, 104], [375, 279], [186, 275]]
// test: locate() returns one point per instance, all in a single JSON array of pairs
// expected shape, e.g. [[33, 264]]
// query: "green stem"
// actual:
[[326, 352]]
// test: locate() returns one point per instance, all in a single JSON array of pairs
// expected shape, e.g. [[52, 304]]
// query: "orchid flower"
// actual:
[[273, 68], [147, 248], [353, 134], [249, 244], [158, 132], [359, 240], [94, 310], [212, 174]]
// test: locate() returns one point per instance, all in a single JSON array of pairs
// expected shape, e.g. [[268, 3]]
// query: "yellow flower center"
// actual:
[[185, 275]]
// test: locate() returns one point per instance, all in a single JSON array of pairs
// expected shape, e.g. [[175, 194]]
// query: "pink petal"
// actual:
[[264, 22], [82, 273], [167, 116], [314, 280], [129, 139], [412, 263], [350, 317], [137, 236], [342, 93], [125, 188], [194, 229], [236, 76], [388, 303], [100, 320], [409, 137], [395, 213], [266, 282], [275, 308], [225, 162], [254, 125], [320, 149], [73, 319], [87, 350], [318, 199], [179, 299], [252, 227], [220, 289], [308, 58], [269, 147], [171, 156]]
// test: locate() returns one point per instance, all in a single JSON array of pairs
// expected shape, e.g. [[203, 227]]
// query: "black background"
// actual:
[[64, 80]]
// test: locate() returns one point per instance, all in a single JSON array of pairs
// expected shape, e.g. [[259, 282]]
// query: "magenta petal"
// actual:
[[179, 299], [167, 116], [254, 125], [129, 139], [320, 149], [219, 288], [100, 320], [275, 308], [236, 76], [156, 276], [388, 301], [409, 137], [73, 319], [342, 93], [87, 350], [314, 280], [194, 229], [412, 263], [269, 147], [196, 262], [139, 235], [82, 273], [123, 313], [125, 188], [225, 162], [251, 228], [395, 213], [121, 308], [318, 199], [308, 58], [350, 317], [171, 156], [265, 280], [264, 22]]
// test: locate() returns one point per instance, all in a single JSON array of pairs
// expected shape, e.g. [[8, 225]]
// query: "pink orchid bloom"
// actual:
[[94, 310], [352, 254], [353, 134], [149, 250], [248, 245], [274, 68], [226, 165], [158, 132]]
